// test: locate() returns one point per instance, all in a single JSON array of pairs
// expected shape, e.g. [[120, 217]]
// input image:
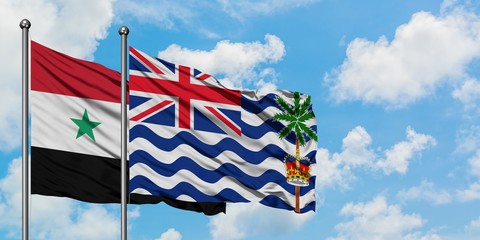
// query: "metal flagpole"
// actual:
[[123, 31], [25, 26]]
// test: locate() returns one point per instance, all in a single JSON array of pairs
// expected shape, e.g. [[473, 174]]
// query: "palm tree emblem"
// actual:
[[295, 117]]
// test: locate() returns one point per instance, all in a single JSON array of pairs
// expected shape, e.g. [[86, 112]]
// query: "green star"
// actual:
[[85, 126]]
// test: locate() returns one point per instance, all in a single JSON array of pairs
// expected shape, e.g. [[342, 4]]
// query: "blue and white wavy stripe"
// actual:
[[202, 166], [154, 131], [259, 151], [254, 180], [226, 189], [205, 161]]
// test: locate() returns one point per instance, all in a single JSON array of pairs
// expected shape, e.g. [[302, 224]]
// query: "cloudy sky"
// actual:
[[395, 87]]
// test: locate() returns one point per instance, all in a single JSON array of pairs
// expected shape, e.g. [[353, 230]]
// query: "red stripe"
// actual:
[[145, 61], [191, 91], [150, 110], [203, 76], [58, 73], [184, 99], [224, 120]]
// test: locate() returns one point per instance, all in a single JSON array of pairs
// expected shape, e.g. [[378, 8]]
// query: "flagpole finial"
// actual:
[[123, 30], [25, 24]]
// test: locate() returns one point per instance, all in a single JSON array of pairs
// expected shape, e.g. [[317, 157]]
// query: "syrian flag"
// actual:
[[75, 129]]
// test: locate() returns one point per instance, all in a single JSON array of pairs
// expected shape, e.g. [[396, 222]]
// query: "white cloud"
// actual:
[[425, 191], [170, 234], [448, 5], [468, 93], [357, 152], [474, 163], [332, 171], [244, 221], [189, 14], [398, 157], [243, 9], [238, 63], [169, 14], [420, 236], [468, 140], [471, 231], [58, 24], [378, 220], [52, 217], [92, 222], [134, 213], [411, 66], [160, 12], [473, 226], [337, 168], [11, 196], [355, 148], [472, 193]]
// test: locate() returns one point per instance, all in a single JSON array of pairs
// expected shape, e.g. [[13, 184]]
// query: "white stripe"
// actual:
[[212, 189], [260, 118], [184, 150], [287, 95], [214, 163], [208, 163], [254, 145], [267, 114], [53, 128], [142, 191], [213, 138], [182, 197]]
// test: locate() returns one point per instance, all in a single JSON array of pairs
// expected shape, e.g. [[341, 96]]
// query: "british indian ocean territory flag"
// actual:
[[192, 139]]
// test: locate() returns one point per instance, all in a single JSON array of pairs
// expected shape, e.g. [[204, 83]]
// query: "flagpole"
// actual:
[[25, 26], [123, 31]]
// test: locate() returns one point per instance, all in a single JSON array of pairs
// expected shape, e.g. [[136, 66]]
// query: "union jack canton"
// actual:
[[160, 91]]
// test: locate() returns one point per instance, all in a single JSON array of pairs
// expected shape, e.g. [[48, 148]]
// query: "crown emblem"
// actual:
[[298, 171]]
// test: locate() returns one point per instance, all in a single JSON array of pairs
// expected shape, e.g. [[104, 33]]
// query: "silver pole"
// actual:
[[123, 31], [25, 26]]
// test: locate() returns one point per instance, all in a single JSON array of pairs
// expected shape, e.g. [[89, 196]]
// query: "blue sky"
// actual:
[[395, 87]]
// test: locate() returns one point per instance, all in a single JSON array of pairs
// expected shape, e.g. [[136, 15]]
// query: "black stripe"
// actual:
[[92, 179], [207, 208], [83, 177]]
